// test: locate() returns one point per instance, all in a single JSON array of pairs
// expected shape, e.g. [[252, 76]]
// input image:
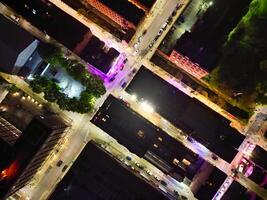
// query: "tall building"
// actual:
[[30, 151]]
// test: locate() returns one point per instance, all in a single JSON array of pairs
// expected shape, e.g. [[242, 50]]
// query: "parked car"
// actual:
[[163, 183], [59, 163], [128, 158], [244, 165], [123, 85], [64, 168], [214, 157]]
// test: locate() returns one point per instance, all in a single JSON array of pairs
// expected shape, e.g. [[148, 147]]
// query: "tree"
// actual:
[[39, 84], [52, 93], [63, 102], [94, 86], [13, 89], [47, 50]]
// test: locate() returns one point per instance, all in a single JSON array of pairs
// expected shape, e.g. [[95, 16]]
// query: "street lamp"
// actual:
[[147, 107]]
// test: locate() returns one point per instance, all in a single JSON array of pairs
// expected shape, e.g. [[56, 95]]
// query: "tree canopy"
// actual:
[[242, 67], [52, 92]]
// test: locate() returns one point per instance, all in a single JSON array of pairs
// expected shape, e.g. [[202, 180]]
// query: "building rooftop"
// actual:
[[96, 176], [11, 45], [8, 132]]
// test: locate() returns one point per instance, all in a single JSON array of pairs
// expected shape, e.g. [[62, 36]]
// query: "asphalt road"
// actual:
[[155, 26]]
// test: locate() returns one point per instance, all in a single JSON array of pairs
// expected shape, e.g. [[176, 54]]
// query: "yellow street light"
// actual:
[[134, 97], [147, 107]]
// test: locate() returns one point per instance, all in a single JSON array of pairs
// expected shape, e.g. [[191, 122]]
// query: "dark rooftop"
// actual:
[[13, 40], [188, 114], [96, 176]]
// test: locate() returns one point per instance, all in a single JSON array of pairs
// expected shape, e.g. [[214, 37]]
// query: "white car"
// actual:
[[164, 25]]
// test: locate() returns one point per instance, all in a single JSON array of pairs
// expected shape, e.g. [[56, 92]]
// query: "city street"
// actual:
[[152, 26], [189, 18]]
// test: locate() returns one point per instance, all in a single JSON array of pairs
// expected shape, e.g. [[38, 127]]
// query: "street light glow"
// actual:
[[134, 97], [147, 107], [210, 3]]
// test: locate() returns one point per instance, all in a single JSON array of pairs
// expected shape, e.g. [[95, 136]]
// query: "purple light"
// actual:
[[249, 171], [117, 65], [96, 72]]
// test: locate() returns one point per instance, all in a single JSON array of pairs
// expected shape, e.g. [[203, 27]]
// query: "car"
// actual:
[[164, 25], [244, 165], [157, 178], [178, 6], [15, 18], [190, 139], [241, 168], [123, 85], [157, 37], [169, 21], [135, 45], [64, 168], [125, 61], [111, 79], [214, 157], [59, 163], [134, 71], [160, 31], [141, 167], [163, 183], [144, 32], [174, 13], [149, 172]]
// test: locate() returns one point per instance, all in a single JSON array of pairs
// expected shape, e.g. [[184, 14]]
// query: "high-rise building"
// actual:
[[30, 151]]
